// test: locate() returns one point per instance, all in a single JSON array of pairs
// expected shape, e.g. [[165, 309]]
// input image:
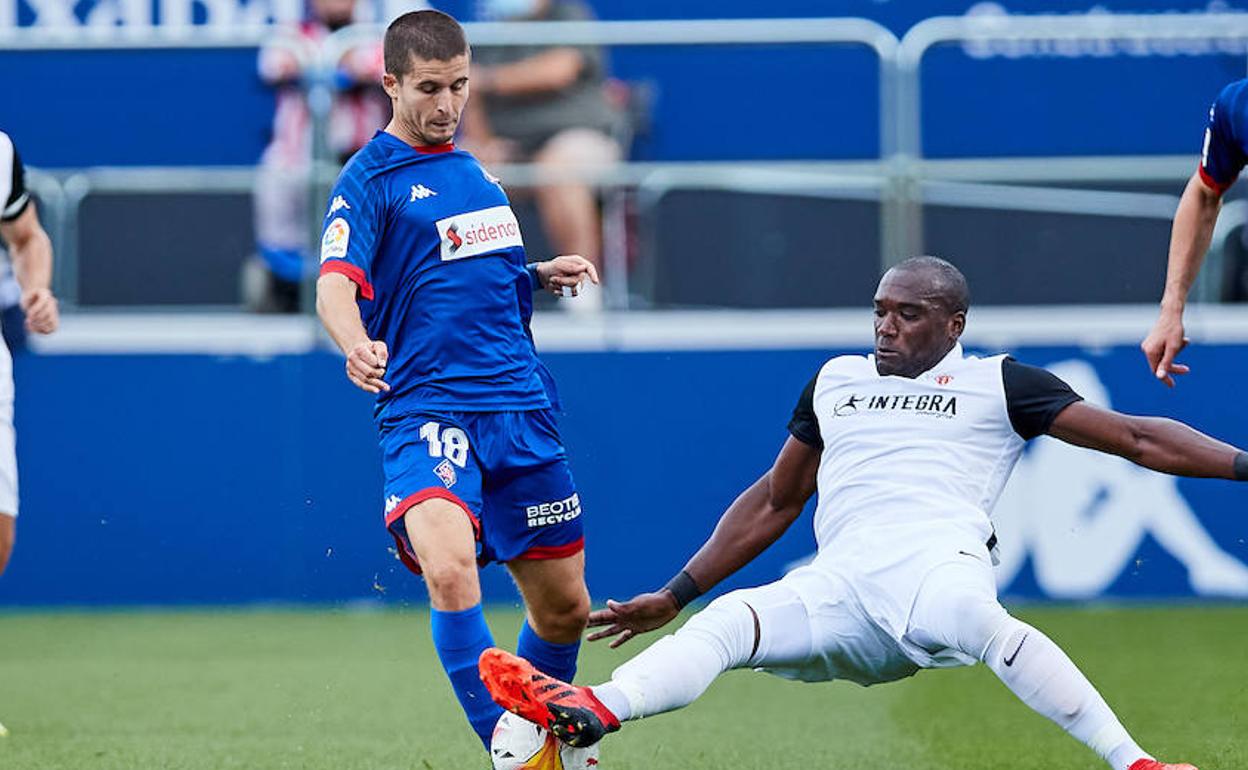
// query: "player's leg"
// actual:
[[433, 493], [8, 536], [533, 523], [957, 608], [557, 603], [8, 462], [765, 626]]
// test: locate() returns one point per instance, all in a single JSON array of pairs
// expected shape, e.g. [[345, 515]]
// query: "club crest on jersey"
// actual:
[[334, 242], [338, 204], [446, 472], [944, 379], [479, 232], [420, 192]]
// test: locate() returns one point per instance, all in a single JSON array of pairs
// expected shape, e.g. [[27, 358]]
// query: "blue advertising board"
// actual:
[[156, 479]]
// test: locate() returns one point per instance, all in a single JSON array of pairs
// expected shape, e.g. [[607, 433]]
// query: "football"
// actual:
[[518, 744]]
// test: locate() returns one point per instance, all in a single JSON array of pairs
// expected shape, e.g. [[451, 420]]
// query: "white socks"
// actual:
[[1042, 676]]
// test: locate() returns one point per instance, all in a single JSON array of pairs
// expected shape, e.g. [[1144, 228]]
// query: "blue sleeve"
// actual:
[[1222, 157], [351, 231]]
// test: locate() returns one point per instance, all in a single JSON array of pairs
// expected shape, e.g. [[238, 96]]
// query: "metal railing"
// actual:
[[901, 179]]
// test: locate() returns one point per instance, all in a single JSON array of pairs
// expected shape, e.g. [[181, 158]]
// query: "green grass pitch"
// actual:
[[341, 690]]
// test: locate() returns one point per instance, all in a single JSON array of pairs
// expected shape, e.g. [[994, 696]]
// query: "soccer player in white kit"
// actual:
[[31, 252], [908, 449]]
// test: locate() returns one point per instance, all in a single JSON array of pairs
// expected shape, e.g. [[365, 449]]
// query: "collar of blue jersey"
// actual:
[[427, 149]]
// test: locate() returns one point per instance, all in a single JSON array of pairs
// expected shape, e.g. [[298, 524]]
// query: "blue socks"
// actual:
[[460, 638], [557, 660]]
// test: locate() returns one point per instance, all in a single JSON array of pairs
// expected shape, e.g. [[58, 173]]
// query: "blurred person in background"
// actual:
[[547, 105], [282, 203], [1223, 155], [31, 252]]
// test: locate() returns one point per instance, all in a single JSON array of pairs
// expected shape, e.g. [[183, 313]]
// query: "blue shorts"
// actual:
[[507, 470]]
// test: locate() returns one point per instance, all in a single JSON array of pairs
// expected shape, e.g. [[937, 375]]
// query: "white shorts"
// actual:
[[818, 624], [8, 438]]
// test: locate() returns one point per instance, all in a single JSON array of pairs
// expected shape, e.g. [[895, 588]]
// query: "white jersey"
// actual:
[[911, 468], [13, 194]]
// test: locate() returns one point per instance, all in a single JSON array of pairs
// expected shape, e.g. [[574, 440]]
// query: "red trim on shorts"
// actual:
[[1211, 183], [350, 271], [541, 552], [406, 555], [433, 149]]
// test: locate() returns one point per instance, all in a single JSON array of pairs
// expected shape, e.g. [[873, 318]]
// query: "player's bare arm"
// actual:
[[1157, 443], [1189, 240], [566, 272], [8, 534], [337, 308], [31, 250], [755, 520]]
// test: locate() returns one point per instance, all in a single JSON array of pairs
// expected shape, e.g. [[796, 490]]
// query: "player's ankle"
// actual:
[[614, 699]]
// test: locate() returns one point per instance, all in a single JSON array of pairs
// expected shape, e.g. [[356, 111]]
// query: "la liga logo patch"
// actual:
[[334, 242]]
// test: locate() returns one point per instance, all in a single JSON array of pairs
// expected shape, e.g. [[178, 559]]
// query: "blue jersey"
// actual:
[[1225, 151], [431, 241]]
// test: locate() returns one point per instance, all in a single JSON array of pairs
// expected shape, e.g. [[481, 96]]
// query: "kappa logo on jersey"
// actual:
[[479, 232], [932, 404], [420, 192], [334, 242], [392, 502], [559, 511], [338, 204], [446, 472]]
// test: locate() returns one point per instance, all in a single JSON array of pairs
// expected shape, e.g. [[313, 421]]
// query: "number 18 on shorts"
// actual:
[[507, 471]]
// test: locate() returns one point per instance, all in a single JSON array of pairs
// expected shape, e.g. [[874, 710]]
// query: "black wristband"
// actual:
[[683, 589], [1241, 466]]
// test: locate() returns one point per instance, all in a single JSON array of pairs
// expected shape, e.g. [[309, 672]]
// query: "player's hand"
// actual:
[[366, 365], [566, 272], [624, 620], [1162, 345], [43, 314]]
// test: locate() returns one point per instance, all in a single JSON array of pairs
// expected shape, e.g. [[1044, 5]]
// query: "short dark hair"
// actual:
[[429, 35], [948, 280]]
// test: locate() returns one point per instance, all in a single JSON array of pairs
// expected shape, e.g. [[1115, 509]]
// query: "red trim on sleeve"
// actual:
[[541, 552], [406, 554], [433, 149], [1211, 183], [350, 271]]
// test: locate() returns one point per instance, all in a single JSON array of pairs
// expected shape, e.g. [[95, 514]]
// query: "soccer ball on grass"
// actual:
[[518, 744]]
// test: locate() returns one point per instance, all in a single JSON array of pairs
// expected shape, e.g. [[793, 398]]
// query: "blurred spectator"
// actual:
[[283, 202], [547, 105]]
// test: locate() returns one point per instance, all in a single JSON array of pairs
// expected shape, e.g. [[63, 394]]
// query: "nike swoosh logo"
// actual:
[[1010, 660]]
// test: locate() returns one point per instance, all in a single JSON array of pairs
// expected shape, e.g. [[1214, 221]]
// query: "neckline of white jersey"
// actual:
[[954, 354]]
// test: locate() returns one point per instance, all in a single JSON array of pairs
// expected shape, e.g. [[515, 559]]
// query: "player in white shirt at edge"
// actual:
[[31, 252], [908, 449]]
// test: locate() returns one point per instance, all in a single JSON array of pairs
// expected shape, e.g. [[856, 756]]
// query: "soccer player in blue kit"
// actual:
[[1223, 155], [425, 288]]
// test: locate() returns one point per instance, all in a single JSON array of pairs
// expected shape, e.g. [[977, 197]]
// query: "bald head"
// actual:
[[944, 281]]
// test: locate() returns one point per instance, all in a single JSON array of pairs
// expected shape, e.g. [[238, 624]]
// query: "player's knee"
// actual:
[[561, 618], [727, 625], [452, 581]]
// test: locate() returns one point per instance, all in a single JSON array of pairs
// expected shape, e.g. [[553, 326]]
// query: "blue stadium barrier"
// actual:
[[168, 479]]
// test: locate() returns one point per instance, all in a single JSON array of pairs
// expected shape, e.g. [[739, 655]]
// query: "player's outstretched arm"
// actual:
[[1158, 443], [752, 523], [366, 359], [1189, 240], [32, 264]]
